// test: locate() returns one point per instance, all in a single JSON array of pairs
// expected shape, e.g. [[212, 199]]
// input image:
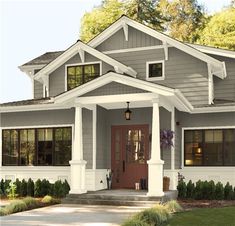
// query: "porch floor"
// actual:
[[118, 197]]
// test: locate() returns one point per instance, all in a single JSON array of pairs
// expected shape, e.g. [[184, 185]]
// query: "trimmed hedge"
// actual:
[[207, 190], [39, 188]]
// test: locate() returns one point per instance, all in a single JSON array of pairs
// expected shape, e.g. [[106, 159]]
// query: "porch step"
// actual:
[[117, 198]]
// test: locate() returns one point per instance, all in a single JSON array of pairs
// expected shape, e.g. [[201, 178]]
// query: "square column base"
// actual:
[[77, 170], [155, 173]]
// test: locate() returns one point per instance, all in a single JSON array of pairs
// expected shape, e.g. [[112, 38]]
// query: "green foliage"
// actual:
[[134, 222], [15, 206], [219, 191], [30, 187], [228, 191], [2, 211], [49, 200], [45, 187], [31, 203], [2, 186], [173, 206], [66, 188], [58, 189], [6, 185], [220, 30], [198, 190], [18, 186], [37, 188], [190, 189], [11, 191], [182, 189], [211, 190], [23, 188]]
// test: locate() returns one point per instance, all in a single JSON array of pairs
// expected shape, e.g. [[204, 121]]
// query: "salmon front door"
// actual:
[[130, 148]]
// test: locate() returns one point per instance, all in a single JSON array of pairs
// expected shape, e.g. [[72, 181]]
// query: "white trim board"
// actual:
[[217, 66]]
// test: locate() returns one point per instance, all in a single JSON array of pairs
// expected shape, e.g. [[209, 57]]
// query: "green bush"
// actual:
[[30, 187], [2, 211], [31, 202], [66, 188], [2, 187], [199, 189], [49, 200], [228, 191], [219, 191], [11, 191], [211, 188], [45, 187], [6, 185], [15, 206], [58, 189], [23, 188], [134, 222], [18, 186], [173, 206], [37, 188], [205, 193], [190, 190], [182, 189]]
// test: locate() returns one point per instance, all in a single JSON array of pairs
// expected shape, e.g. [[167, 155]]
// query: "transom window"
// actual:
[[155, 70], [80, 74], [212, 147], [43, 147]]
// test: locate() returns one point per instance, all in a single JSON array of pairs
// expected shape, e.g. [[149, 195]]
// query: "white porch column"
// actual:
[[78, 165], [155, 164], [94, 129]]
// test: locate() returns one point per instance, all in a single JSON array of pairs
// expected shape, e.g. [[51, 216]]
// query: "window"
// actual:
[[44, 146], [212, 147], [155, 70], [80, 74]]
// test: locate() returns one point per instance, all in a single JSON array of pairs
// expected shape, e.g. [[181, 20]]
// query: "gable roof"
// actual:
[[218, 67], [80, 48]]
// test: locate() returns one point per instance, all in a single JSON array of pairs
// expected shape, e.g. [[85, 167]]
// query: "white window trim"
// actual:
[[79, 64], [196, 128], [155, 78]]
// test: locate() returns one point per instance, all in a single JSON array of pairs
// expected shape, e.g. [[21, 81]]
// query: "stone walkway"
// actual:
[[64, 215]]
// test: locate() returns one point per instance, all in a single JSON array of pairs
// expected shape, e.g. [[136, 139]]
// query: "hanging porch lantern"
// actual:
[[128, 112]]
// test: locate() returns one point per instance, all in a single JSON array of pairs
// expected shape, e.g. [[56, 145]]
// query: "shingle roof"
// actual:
[[45, 58], [47, 100]]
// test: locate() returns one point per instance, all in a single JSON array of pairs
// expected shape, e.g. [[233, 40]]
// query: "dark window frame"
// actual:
[[150, 71], [203, 147], [36, 145], [83, 75]]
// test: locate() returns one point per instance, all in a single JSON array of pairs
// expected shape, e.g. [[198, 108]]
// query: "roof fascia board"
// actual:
[[213, 109]]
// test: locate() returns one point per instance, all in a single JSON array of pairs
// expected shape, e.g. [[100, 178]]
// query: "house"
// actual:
[[75, 127]]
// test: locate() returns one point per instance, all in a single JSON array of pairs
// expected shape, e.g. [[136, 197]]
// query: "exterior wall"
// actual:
[[114, 88], [136, 38], [223, 174], [182, 71], [38, 90], [57, 77], [225, 88]]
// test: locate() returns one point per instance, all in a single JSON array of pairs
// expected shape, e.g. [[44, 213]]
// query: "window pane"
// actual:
[[63, 146], [10, 147], [193, 148], [229, 147], [155, 70], [45, 146], [27, 147]]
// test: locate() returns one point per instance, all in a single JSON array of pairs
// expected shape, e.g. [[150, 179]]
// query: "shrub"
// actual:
[[66, 188], [173, 206], [205, 193], [37, 188], [23, 188], [198, 190], [31, 202], [228, 191], [2, 186], [11, 191], [219, 191], [30, 187], [58, 189], [211, 190], [51, 192], [2, 211], [6, 186], [190, 190], [18, 186], [182, 189], [134, 222], [45, 187], [49, 200], [15, 206]]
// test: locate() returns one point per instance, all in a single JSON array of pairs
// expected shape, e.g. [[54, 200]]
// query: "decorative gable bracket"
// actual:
[[81, 54], [125, 29], [165, 47]]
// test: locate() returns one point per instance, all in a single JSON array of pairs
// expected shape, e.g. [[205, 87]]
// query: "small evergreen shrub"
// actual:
[[173, 206], [45, 187], [228, 191], [58, 189], [51, 192], [31, 202], [23, 188], [182, 189], [66, 188], [198, 190], [37, 188], [6, 185], [2, 187], [205, 193], [190, 190], [211, 190], [30, 187], [15, 206], [219, 191], [18, 186], [11, 191]]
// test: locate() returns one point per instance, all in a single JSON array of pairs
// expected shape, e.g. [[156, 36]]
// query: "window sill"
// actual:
[[155, 79]]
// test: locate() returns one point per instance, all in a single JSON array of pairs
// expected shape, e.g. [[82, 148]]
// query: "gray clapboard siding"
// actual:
[[199, 120], [114, 88], [57, 77], [225, 88], [182, 71], [136, 38], [37, 118], [38, 90]]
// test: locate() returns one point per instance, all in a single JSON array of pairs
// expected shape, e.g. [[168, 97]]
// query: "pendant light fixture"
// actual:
[[128, 112]]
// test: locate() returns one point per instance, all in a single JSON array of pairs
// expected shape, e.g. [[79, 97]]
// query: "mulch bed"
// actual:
[[192, 204]]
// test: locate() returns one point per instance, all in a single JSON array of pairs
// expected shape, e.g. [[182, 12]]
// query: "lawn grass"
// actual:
[[205, 217]]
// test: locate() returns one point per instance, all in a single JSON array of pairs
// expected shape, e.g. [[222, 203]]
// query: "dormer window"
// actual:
[[82, 73], [155, 70]]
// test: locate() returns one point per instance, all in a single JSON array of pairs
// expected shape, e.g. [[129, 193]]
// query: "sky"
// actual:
[[29, 28]]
